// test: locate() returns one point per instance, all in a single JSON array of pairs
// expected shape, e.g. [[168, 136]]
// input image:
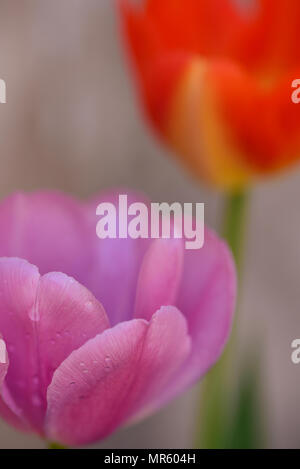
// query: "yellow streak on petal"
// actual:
[[198, 134]]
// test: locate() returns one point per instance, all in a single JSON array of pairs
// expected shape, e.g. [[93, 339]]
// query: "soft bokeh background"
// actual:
[[72, 122]]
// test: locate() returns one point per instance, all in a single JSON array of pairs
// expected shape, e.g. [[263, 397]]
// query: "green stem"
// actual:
[[216, 395], [53, 445], [234, 224]]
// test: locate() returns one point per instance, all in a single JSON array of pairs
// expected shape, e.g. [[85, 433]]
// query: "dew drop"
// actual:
[[108, 363], [89, 305], [34, 314]]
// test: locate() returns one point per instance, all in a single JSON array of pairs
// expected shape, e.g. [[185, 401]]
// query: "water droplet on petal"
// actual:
[[89, 305], [108, 363], [34, 314]]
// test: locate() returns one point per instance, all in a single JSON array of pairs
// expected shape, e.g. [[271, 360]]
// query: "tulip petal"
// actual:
[[4, 410], [205, 68], [18, 286], [112, 376], [159, 277], [42, 320], [164, 36], [67, 315], [3, 362], [199, 26], [49, 230], [116, 262], [197, 129], [58, 234], [207, 299], [8, 409], [263, 143], [269, 42]]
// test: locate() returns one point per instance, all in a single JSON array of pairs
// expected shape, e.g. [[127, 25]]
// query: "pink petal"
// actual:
[[159, 277], [18, 286], [49, 230], [116, 263], [42, 320], [3, 362], [67, 316], [58, 233], [113, 376], [8, 409], [11, 413], [207, 299]]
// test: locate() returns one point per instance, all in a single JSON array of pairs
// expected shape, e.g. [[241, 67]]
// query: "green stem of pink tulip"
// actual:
[[53, 445], [216, 393]]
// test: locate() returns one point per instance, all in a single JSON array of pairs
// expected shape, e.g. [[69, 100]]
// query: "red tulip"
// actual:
[[216, 82]]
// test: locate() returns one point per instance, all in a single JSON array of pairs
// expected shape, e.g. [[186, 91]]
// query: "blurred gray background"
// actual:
[[72, 122]]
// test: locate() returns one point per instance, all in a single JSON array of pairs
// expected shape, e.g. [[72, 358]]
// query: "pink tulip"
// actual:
[[143, 320]]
